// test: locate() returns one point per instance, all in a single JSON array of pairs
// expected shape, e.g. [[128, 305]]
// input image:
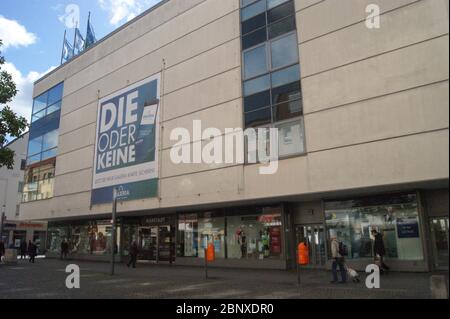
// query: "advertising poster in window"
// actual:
[[126, 144]]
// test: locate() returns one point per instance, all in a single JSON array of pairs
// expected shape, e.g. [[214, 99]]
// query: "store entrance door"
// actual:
[[439, 236], [148, 243], [315, 238], [156, 243]]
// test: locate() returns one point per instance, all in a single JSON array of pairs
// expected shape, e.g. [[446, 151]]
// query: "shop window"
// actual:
[[188, 235], [397, 219], [211, 230], [254, 237]]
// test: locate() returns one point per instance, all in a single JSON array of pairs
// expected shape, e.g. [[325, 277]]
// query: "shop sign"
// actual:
[[407, 228], [126, 144]]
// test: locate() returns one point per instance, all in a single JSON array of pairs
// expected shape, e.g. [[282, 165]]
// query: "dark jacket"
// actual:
[[23, 247], [378, 245], [134, 249], [32, 249], [2, 248]]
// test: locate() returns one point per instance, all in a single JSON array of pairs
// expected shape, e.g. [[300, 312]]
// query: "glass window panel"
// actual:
[[281, 27], [211, 230], [53, 108], [49, 154], [290, 138], [287, 110], [398, 224], [253, 10], [284, 51], [245, 3], [273, 3], [255, 237], [40, 103], [50, 140], [255, 62], [33, 159], [254, 38], [281, 12], [257, 101], [55, 94], [38, 116], [259, 117], [286, 76], [256, 85], [35, 146], [286, 92], [254, 23]]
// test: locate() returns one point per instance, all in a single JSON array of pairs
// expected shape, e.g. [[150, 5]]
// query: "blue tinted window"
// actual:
[[256, 85], [33, 159], [273, 3], [50, 140], [47, 102], [55, 94], [284, 51], [35, 146], [286, 76], [49, 154], [40, 103], [255, 62], [253, 10]]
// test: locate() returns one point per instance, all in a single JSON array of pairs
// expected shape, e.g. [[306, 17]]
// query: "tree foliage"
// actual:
[[11, 125]]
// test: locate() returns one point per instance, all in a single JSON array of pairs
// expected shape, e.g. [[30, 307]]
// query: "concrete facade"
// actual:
[[375, 105]]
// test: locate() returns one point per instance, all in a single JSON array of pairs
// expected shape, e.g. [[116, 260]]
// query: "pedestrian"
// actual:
[[338, 260], [64, 249], [379, 250], [133, 254], [2, 249], [32, 251], [23, 249]]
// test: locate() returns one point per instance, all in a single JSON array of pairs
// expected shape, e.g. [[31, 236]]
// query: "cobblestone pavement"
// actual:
[[46, 279]]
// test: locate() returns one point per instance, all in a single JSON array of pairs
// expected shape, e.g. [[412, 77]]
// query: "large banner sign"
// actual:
[[126, 144]]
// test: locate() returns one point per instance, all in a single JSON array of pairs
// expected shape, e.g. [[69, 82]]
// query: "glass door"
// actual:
[[148, 243], [439, 235], [315, 238], [165, 243]]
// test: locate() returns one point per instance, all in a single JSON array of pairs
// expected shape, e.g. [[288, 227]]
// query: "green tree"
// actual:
[[11, 125]]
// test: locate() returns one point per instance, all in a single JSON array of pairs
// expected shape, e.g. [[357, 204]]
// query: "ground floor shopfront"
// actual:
[[414, 227], [17, 232]]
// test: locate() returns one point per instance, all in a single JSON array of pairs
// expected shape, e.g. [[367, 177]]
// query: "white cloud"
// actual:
[[125, 10], [22, 103], [13, 34]]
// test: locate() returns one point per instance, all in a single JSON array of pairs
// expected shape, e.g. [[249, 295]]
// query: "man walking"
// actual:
[[379, 251], [23, 249], [338, 260], [32, 251], [133, 254], [64, 249]]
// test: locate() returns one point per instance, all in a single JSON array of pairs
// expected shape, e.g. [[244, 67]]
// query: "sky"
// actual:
[[33, 30]]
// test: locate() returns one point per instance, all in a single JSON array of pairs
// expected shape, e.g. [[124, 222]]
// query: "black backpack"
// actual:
[[343, 251]]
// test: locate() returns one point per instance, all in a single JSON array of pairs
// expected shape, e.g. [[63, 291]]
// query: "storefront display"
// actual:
[[88, 238], [255, 233], [396, 217]]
